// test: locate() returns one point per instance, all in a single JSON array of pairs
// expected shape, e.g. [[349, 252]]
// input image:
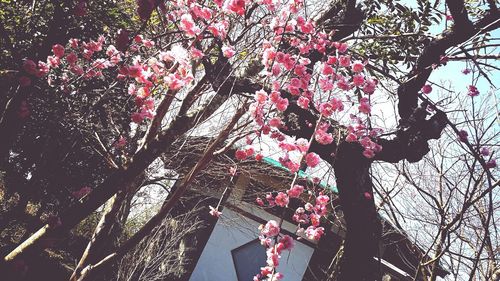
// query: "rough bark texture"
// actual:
[[107, 233], [363, 226]]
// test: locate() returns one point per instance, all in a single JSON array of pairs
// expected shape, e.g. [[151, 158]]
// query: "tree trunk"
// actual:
[[352, 170], [108, 231]]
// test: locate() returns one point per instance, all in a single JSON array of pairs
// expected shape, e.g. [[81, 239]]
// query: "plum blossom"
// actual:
[[358, 80], [345, 61], [322, 199], [314, 233], [426, 89], [295, 191], [364, 106], [259, 157], [370, 85], [463, 135], [240, 154], [303, 102], [228, 51], [187, 25], [236, 6], [357, 66], [214, 212], [472, 91], [285, 243], [312, 159], [322, 137], [485, 151], [271, 228], [58, 50], [121, 142], [281, 199], [491, 164]]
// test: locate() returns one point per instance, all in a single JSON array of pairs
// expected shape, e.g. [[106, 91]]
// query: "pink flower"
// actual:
[[426, 89], [312, 159], [53, 61], [326, 109], [76, 69], [472, 91], [295, 191], [315, 219], [357, 66], [214, 212], [462, 135], [261, 96], [367, 195], [323, 137], [303, 102], [137, 117], [332, 60], [327, 69], [485, 151], [491, 164], [121, 142], [287, 242], [370, 86], [249, 151], [358, 80], [308, 206], [228, 51], [58, 50], [282, 104], [322, 200], [275, 122], [73, 43], [271, 229], [187, 25], [259, 201], [43, 69], [236, 6], [281, 199], [345, 61], [368, 153], [259, 157], [240, 154], [337, 104], [342, 47], [364, 106], [272, 257], [71, 58], [314, 233], [195, 53], [351, 137]]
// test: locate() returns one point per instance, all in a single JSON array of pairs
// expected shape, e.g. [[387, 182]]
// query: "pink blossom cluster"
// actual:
[[275, 245], [84, 61]]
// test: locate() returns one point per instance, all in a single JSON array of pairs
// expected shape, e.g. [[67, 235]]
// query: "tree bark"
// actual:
[[352, 170], [109, 229]]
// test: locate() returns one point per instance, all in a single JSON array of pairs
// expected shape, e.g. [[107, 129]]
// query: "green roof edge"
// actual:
[[302, 174]]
